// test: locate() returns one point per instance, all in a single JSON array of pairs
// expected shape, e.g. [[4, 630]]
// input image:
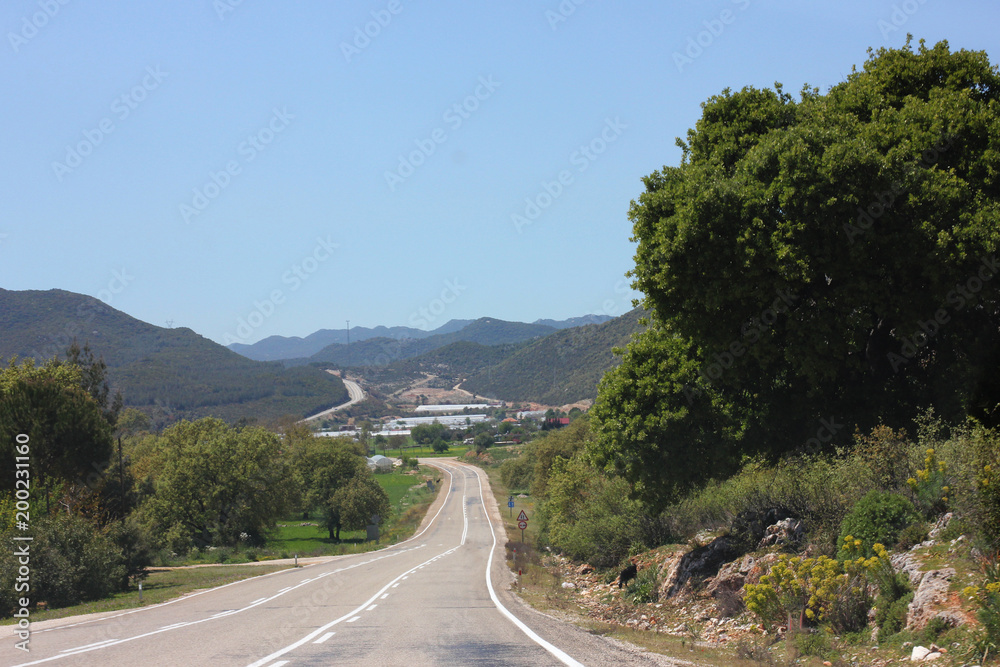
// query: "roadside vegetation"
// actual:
[[104, 498], [810, 412]]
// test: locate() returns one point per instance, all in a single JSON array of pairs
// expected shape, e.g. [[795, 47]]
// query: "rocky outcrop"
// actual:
[[701, 563], [787, 532], [930, 595]]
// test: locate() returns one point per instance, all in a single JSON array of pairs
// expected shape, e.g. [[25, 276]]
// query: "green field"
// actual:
[[408, 496]]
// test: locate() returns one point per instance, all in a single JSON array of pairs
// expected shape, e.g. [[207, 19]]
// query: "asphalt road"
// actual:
[[355, 394], [440, 598]]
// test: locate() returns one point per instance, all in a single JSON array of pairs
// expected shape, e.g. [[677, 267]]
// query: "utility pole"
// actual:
[[348, 332]]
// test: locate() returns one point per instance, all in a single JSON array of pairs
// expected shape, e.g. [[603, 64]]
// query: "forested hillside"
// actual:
[[385, 351], [170, 373], [561, 368]]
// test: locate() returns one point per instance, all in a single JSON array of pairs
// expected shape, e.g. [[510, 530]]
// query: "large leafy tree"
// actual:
[[68, 434], [812, 266], [353, 505], [212, 483]]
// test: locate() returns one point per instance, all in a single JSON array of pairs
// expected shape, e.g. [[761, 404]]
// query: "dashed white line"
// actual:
[[325, 637], [385, 596], [371, 607], [351, 620], [78, 648]]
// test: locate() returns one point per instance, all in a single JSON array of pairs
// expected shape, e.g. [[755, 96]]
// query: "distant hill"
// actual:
[[384, 351], [277, 348], [170, 373], [561, 368], [575, 321]]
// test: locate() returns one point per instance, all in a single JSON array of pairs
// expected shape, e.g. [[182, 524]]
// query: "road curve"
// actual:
[[354, 391], [439, 598]]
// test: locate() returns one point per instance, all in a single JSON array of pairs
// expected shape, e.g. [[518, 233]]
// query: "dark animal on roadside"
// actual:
[[627, 575]]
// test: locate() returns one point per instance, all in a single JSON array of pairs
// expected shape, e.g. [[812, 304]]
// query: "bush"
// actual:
[[588, 516], [645, 587], [986, 641], [517, 473], [930, 485], [439, 446], [72, 561], [877, 518], [912, 535], [890, 615], [820, 491]]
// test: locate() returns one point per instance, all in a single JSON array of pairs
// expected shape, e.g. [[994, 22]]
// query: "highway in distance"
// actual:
[[439, 598]]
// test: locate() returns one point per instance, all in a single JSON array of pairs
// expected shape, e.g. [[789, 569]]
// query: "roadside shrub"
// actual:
[[439, 446], [819, 590], [912, 535], [987, 453], [887, 453], [518, 473], [645, 587], [72, 561], [986, 641], [890, 615], [815, 643], [877, 518], [818, 490], [930, 485], [588, 516]]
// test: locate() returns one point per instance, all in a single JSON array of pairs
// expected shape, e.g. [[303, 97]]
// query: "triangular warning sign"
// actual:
[[522, 516]]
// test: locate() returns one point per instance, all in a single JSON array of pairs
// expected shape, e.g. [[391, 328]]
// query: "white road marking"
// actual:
[[556, 652], [286, 588], [175, 625], [371, 607], [279, 664], [78, 648], [385, 596], [356, 618], [323, 639], [259, 600], [394, 585]]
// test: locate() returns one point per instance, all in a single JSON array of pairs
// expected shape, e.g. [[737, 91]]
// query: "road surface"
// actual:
[[439, 598], [354, 391]]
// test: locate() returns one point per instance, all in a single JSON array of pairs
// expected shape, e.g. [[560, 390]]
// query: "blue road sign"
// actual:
[[510, 503]]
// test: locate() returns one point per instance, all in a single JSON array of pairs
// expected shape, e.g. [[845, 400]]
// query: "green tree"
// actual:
[[482, 442], [68, 434], [773, 267], [332, 466], [352, 506], [214, 482], [94, 380], [425, 434]]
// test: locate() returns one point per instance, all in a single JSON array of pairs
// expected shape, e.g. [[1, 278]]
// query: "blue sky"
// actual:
[[249, 168]]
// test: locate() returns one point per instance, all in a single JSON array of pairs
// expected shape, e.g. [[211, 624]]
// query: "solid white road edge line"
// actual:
[[558, 653]]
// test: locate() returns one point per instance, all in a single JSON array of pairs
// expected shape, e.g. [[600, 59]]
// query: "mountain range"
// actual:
[[276, 348], [169, 373], [177, 374]]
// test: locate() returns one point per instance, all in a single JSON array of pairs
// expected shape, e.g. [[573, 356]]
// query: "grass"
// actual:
[[408, 495], [159, 586], [409, 499]]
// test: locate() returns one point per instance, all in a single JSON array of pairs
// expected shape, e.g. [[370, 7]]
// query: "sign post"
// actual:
[[522, 523], [510, 504]]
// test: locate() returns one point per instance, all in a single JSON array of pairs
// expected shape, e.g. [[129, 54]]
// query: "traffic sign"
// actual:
[[510, 503], [522, 524], [522, 516]]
